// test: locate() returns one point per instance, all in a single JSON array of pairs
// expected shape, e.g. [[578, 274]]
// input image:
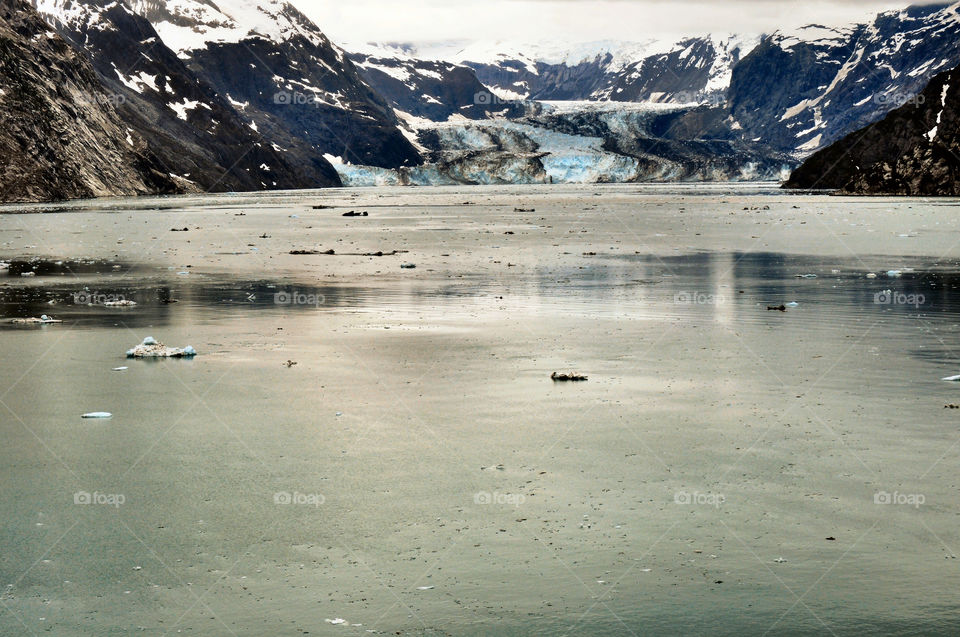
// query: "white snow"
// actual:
[[181, 108], [932, 134]]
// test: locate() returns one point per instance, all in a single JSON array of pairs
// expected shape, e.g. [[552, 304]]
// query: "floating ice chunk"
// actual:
[[338, 620], [424, 588], [894, 274], [120, 303], [98, 414], [792, 304], [953, 379], [119, 369], [28, 274], [152, 348], [806, 276], [36, 321], [871, 275]]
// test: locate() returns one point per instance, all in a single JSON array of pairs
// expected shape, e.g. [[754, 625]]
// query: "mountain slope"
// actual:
[[799, 92], [915, 150], [196, 132], [60, 137], [284, 75]]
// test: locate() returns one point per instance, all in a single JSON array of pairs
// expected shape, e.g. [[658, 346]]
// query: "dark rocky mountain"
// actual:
[[801, 92], [60, 136], [194, 132], [284, 76], [914, 150]]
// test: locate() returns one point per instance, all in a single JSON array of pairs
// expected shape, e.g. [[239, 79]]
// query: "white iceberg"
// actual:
[[152, 348], [98, 414]]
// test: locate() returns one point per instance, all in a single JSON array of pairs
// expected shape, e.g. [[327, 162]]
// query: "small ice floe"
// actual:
[[806, 276], [424, 588], [36, 321], [871, 275], [338, 620], [894, 274], [792, 304], [120, 303], [98, 414], [152, 348], [952, 379], [119, 369], [28, 274]]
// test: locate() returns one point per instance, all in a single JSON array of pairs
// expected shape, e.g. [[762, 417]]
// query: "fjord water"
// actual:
[[361, 448]]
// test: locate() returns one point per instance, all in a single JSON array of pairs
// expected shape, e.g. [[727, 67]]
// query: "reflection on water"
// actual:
[[730, 286]]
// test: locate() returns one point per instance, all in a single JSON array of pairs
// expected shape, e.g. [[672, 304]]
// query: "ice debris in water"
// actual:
[[424, 588], [43, 319], [338, 620], [151, 347], [871, 275], [119, 369], [792, 304], [894, 274], [120, 303], [98, 414], [953, 379]]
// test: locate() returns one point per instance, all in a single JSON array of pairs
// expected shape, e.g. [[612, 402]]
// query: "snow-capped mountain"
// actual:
[[283, 75], [196, 134], [648, 70], [430, 89], [800, 91]]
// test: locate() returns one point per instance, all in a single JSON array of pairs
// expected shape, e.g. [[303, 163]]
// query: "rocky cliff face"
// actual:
[[194, 131], [60, 136], [914, 150]]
